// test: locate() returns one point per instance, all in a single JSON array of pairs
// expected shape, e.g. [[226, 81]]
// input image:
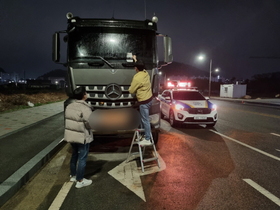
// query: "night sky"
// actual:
[[227, 31]]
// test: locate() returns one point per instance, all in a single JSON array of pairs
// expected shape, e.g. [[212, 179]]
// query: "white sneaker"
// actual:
[[84, 183], [145, 142], [140, 138], [143, 138], [73, 178]]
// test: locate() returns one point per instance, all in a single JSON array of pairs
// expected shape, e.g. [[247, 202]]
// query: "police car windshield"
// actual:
[[187, 95]]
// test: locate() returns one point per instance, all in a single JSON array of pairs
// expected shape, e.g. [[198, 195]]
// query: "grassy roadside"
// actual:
[[15, 100]]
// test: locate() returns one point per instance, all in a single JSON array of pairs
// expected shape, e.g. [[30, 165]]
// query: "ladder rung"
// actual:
[[146, 145], [139, 130], [135, 140], [150, 159]]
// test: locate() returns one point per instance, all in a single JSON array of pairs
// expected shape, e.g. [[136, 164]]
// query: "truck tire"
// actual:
[[161, 115], [155, 136]]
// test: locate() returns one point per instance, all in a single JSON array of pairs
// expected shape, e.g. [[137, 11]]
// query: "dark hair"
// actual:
[[139, 64], [79, 93]]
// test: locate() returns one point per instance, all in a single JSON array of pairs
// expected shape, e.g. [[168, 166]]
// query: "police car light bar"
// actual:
[[184, 84], [178, 84]]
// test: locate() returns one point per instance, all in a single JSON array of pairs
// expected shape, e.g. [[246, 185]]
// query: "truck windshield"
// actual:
[[114, 45]]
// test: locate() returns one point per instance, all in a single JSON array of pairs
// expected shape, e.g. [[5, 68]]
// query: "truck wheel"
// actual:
[[155, 136], [161, 115]]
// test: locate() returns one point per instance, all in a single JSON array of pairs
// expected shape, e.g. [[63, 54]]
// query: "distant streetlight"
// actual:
[[201, 58]]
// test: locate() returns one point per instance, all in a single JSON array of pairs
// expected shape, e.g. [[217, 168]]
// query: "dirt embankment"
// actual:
[[18, 100]]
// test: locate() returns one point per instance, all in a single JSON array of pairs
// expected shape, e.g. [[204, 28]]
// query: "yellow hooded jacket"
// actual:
[[141, 85]]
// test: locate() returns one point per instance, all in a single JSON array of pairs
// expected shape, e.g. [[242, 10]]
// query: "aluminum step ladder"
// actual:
[[136, 141]]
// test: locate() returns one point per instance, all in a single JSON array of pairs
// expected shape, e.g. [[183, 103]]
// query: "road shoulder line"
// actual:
[[58, 201], [248, 146], [263, 191]]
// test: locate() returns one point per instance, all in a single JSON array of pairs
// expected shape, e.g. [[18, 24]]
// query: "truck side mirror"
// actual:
[[168, 56], [56, 48]]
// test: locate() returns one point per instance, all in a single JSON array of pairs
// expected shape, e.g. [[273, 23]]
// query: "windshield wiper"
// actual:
[[104, 60], [95, 63]]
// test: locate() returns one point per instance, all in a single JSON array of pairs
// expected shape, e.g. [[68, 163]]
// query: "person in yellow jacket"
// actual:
[[141, 86]]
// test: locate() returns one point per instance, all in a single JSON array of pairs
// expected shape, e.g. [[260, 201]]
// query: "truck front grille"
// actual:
[[104, 97]]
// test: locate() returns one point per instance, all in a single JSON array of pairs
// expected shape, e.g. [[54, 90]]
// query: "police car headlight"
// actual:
[[179, 107], [214, 107]]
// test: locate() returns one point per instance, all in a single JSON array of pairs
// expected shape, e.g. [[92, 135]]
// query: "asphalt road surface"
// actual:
[[234, 165]]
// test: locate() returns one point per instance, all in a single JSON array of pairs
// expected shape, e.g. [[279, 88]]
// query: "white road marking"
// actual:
[[126, 173], [275, 134], [248, 146], [263, 191], [56, 204], [129, 174]]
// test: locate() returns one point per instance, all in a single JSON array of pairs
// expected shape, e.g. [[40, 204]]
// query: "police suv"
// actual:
[[187, 106]]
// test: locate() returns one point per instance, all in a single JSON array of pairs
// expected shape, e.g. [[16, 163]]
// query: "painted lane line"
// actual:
[[56, 204], [263, 191], [275, 134], [248, 146]]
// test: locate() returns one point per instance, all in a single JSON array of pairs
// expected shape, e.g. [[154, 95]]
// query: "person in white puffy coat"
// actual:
[[79, 134]]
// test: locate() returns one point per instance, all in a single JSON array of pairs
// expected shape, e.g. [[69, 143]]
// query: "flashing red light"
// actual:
[[184, 84], [172, 84]]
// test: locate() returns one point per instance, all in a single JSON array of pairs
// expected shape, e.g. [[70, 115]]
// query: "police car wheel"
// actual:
[[172, 120]]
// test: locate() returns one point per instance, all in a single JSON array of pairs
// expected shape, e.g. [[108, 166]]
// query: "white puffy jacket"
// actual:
[[77, 129]]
